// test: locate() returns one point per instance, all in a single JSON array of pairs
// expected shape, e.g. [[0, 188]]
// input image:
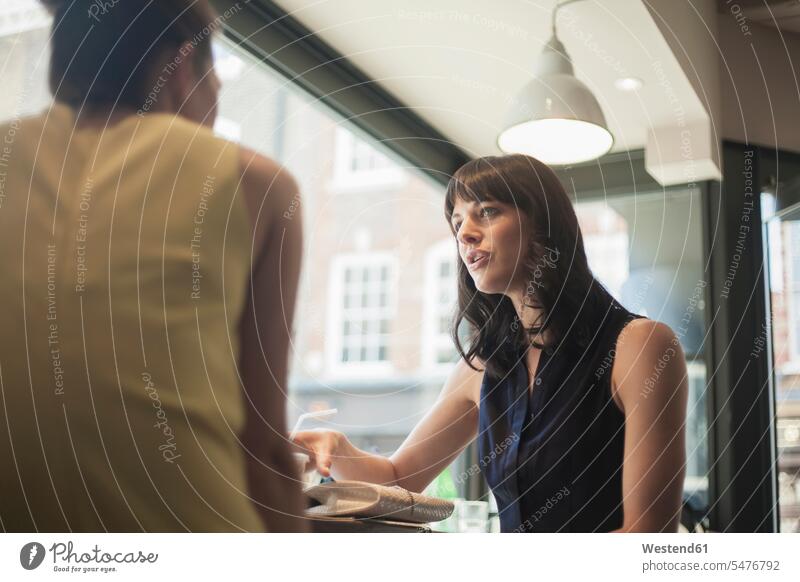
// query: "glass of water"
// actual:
[[473, 516]]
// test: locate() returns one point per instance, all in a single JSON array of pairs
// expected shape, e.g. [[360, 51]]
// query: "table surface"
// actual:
[[364, 525]]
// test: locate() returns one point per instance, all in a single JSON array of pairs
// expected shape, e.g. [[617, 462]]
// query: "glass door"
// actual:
[[781, 336]]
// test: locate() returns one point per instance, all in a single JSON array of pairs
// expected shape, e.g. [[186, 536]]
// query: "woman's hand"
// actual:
[[321, 446], [434, 443]]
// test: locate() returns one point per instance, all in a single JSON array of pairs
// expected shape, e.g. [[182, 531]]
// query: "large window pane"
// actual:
[[783, 244], [647, 250], [378, 278], [24, 32]]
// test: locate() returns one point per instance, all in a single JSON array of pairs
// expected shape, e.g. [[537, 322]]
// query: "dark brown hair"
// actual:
[[102, 51], [560, 282]]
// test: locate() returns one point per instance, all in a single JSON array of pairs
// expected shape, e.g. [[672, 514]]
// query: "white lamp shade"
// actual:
[[557, 142], [555, 118]]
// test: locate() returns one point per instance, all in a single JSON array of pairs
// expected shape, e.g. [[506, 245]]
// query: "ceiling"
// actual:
[[781, 14], [458, 63]]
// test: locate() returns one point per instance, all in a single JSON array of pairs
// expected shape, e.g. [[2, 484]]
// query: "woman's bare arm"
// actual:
[[651, 381], [271, 195], [448, 427]]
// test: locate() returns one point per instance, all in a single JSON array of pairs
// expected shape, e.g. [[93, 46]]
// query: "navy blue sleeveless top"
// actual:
[[553, 456]]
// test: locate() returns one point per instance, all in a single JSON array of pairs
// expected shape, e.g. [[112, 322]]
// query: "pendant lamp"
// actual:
[[555, 117]]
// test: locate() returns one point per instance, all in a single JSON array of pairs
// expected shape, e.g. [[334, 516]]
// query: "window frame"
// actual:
[[335, 366], [792, 296], [346, 180], [591, 239], [432, 341], [24, 19]]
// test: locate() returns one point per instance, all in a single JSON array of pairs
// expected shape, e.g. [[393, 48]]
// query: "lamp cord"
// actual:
[[559, 5]]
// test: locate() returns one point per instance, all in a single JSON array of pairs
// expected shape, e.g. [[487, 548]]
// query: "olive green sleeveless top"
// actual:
[[125, 266]]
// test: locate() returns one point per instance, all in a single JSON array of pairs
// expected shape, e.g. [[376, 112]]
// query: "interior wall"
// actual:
[[760, 85]]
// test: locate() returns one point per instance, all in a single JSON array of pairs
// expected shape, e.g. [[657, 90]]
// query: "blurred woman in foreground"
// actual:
[[148, 291]]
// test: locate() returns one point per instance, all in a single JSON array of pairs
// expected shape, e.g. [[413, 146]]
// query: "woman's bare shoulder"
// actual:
[[642, 334], [646, 351], [465, 379], [642, 341], [270, 192], [263, 175]]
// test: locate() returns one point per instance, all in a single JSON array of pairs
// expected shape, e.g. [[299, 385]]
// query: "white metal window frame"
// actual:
[[336, 312], [433, 310], [228, 129], [18, 16], [346, 179], [605, 253], [781, 278], [696, 377], [792, 293]]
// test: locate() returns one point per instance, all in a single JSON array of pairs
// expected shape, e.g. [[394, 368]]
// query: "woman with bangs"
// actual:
[[578, 405]]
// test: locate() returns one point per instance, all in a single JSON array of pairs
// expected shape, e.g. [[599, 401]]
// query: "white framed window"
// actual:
[[607, 254], [359, 166], [784, 285], [696, 478], [441, 294], [605, 239], [19, 16], [362, 305], [793, 296], [775, 237], [227, 129]]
